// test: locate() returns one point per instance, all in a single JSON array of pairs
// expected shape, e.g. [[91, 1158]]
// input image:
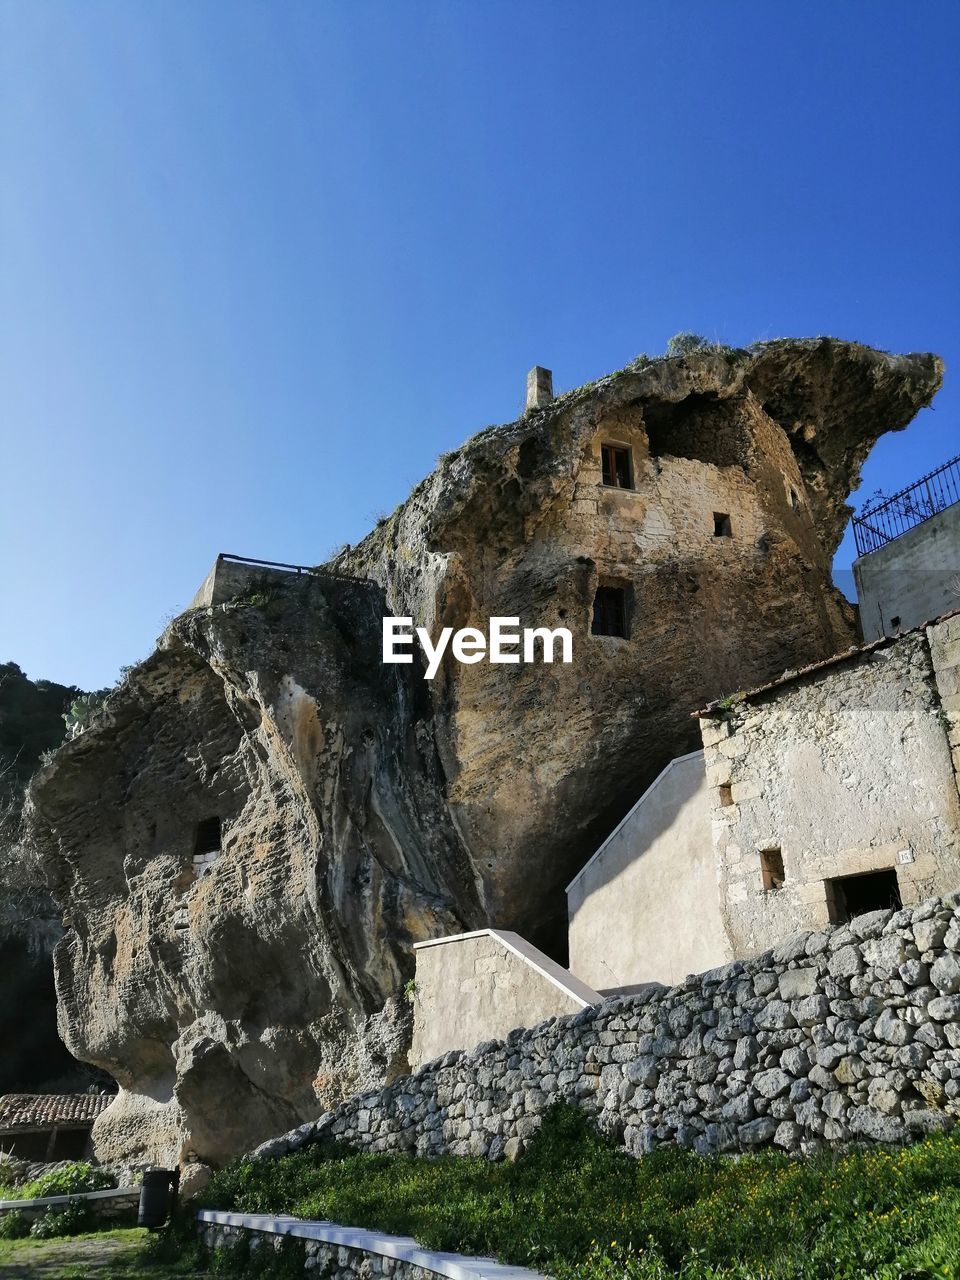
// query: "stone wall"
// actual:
[[115, 1206], [912, 579], [646, 907], [848, 1034], [347, 1253], [844, 771], [476, 985]]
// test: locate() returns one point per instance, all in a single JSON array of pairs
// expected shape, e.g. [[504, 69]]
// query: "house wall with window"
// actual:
[[835, 791]]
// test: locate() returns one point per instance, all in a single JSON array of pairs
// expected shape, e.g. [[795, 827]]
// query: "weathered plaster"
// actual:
[[646, 907], [475, 986]]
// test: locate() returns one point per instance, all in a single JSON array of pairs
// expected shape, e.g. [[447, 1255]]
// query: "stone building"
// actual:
[[834, 791], [824, 795], [49, 1126], [263, 820]]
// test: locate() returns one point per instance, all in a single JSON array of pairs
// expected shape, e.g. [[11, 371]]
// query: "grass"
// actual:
[[576, 1207], [115, 1255]]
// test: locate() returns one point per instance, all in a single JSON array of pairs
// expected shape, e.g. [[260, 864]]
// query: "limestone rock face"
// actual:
[[362, 808], [34, 1059], [240, 994], [542, 761]]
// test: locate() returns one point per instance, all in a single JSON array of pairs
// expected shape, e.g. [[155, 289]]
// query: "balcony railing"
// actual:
[[882, 519]]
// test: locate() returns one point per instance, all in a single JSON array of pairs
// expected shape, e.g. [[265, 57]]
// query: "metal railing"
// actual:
[[882, 519], [313, 571]]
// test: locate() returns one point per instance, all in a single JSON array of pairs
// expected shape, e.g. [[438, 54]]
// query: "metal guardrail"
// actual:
[[313, 571], [883, 519]]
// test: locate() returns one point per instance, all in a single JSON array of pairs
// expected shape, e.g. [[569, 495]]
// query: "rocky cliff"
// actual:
[[34, 1058], [264, 818]]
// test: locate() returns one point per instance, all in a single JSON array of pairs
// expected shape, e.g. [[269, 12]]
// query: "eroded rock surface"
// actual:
[[362, 809]]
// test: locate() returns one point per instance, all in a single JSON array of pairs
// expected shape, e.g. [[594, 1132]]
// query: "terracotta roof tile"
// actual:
[[45, 1110]]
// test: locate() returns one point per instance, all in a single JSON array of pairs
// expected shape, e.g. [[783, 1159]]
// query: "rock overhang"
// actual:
[[376, 811]]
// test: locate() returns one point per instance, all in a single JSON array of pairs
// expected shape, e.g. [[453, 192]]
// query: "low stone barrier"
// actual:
[[848, 1035], [116, 1204], [342, 1253]]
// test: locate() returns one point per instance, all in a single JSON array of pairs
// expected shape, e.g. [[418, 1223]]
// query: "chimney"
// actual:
[[539, 388]]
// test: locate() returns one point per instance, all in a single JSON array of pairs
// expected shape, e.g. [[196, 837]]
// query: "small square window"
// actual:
[[771, 869], [726, 794], [722, 528], [617, 466], [610, 612], [207, 837]]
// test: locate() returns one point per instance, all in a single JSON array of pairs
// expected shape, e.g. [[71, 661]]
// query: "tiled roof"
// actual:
[[788, 677], [46, 1110]]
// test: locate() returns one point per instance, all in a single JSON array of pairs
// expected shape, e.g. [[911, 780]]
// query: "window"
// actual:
[[726, 794], [895, 622], [722, 528], [610, 612], [208, 837], [617, 466], [771, 869], [850, 896]]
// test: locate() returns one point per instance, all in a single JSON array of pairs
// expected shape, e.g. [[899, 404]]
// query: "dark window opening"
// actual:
[[726, 794], [895, 622], [208, 836], [700, 427], [722, 528], [617, 469], [771, 869], [850, 896], [610, 612]]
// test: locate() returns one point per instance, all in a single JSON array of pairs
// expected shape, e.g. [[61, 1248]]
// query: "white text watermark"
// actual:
[[506, 643]]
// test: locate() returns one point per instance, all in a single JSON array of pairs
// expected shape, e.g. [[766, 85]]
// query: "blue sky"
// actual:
[[261, 262]]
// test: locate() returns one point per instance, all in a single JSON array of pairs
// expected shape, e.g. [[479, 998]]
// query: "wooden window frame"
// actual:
[[609, 471], [620, 609]]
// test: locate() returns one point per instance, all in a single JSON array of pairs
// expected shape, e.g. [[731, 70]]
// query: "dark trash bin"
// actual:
[[156, 1197]]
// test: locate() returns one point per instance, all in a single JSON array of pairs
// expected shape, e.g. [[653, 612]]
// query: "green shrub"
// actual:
[[14, 1225], [265, 1262], [685, 343], [71, 1220], [577, 1207], [67, 1180]]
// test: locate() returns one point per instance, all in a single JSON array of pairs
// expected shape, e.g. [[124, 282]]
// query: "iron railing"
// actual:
[[313, 571], [883, 519]]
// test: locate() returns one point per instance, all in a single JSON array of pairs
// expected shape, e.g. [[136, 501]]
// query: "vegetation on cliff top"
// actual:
[[576, 1207]]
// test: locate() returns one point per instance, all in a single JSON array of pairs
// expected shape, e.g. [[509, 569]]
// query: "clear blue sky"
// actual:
[[261, 262]]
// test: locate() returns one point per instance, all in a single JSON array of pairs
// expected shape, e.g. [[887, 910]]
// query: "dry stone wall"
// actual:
[[846, 1035]]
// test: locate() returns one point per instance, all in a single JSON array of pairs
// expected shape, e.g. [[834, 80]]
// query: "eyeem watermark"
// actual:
[[507, 644]]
